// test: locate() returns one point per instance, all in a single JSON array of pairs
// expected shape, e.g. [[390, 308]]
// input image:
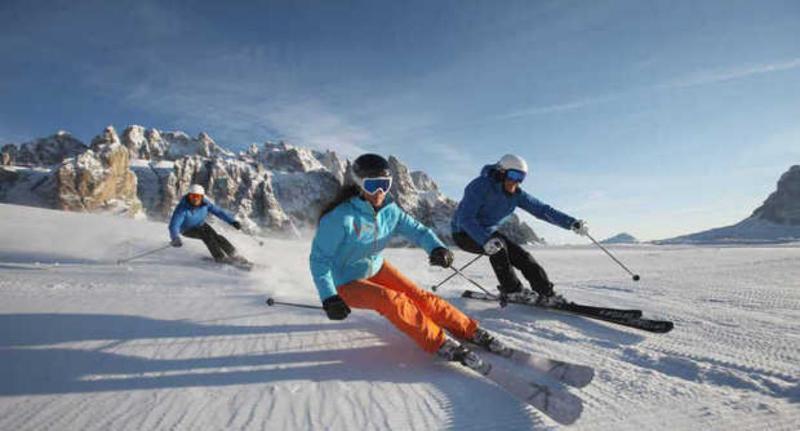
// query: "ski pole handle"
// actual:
[[635, 276], [272, 302]]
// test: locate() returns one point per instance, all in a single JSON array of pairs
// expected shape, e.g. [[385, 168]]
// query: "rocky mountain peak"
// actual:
[[106, 139], [621, 238], [283, 157], [783, 206], [423, 182], [43, 151]]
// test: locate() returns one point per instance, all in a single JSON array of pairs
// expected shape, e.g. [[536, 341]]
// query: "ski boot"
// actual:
[[452, 351], [551, 300], [525, 296], [491, 343]]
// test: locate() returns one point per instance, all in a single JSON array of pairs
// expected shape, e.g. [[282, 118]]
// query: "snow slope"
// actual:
[[173, 341]]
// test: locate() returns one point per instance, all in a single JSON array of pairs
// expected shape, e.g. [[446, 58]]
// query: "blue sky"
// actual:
[[657, 118]]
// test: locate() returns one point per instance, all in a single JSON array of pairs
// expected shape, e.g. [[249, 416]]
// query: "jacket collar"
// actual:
[[189, 204], [365, 207]]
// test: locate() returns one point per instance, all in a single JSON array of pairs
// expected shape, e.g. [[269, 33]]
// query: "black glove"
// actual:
[[237, 225], [335, 308], [441, 256], [176, 242]]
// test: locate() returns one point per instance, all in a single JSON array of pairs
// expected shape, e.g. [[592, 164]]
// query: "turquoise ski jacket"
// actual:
[[350, 240]]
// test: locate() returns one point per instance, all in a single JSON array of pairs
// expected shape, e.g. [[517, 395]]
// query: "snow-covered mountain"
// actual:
[[622, 238], [776, 220], [274, 188]]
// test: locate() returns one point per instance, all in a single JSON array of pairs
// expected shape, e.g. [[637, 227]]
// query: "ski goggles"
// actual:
[[193, 196], [515, 175], [372, 185]]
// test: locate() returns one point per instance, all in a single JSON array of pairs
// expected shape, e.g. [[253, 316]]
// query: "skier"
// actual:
[[488, 200], [189, 219], [349, 270]]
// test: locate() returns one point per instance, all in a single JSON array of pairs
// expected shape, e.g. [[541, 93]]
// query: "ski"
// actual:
[[244, 265], [557, 403], [614, 313], [564, 372], [656, 326]]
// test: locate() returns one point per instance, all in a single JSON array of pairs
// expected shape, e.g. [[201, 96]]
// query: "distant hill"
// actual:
[[776, 220], [622, 238]]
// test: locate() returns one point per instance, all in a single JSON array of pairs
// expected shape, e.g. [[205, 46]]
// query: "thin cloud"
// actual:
[[557, 108], [715, 76], [693, 80]]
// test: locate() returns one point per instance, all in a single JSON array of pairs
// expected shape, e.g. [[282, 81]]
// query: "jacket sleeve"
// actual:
[[175, 222], [219, 212], [330, 234], [412, 229], [543, 211], [474, 195]]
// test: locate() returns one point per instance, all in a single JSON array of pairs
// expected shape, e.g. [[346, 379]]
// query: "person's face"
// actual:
[[195, 199], [510, 186], [376, 199]]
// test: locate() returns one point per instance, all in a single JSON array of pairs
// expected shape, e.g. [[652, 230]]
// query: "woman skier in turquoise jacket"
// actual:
[[349, 270]]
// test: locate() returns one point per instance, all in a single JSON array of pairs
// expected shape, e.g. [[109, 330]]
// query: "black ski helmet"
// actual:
[[371, 166]]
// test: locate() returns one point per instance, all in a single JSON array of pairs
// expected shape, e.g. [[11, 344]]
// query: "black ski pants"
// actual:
[[503, 262], [216, 243]]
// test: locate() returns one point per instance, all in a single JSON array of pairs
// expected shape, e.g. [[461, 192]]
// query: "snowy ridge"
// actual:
[[748, 231], [169, 342]]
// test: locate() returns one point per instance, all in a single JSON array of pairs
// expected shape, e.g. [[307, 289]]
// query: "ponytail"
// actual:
[[345, 193]]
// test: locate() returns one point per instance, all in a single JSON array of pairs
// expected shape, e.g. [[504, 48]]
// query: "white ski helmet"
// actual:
[[197, 189], [510, 161]]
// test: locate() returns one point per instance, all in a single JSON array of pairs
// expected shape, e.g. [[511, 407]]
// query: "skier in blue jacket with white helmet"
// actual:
[[189, 219], [487, 201]]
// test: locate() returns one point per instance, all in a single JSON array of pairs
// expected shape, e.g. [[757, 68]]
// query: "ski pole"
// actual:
[[272, 302], [455, 273], [474, 283], [120, 261], [501, 299], [635, 276]]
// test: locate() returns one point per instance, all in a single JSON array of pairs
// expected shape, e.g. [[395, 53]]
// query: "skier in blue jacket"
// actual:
[[189, 219], [487, 201]]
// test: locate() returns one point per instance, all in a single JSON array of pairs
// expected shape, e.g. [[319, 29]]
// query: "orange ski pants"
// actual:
[[421, 315]]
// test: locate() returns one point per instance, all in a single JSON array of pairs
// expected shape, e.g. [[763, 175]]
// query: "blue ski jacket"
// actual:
[[350, 240], [185, 216], [486, 204]]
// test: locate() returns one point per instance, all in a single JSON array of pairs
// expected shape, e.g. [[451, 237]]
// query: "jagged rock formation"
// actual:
[[272, 188], [150, 144], [43, 151], [783, 206], [99, 179]]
